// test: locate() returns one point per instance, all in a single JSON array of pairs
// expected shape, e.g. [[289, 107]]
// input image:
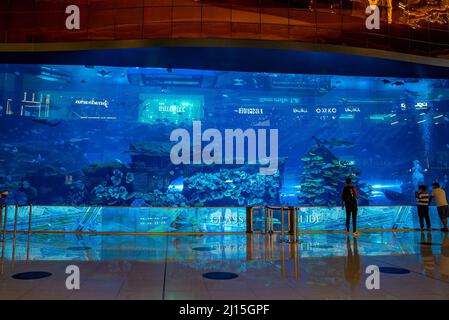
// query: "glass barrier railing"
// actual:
[[199, 219], [127, 219]]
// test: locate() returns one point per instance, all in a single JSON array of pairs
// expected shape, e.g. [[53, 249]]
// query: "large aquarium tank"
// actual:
[[118, 136]]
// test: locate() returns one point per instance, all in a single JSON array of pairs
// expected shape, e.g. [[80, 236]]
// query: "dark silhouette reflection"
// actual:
[[428, 261], [444, 260], [352, 264]]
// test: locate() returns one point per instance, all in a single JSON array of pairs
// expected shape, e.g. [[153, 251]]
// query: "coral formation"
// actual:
[[324, 176], [114, 191], [232, 187]]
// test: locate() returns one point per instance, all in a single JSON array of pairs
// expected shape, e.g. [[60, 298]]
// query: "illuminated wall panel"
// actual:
[[420, 30]]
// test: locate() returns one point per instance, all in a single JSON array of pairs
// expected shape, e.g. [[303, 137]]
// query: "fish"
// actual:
[[89, 66], [414, 93], [333, 143], [77, 140], [339, 143], [265, 123], [10, 148], [47, 122], [104, 74], [427, 110], [322, 90], [38, 159], [398, 83], [395, 196], [385, 81]]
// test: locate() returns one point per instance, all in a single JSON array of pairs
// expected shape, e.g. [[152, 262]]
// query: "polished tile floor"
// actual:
[[321, 266]]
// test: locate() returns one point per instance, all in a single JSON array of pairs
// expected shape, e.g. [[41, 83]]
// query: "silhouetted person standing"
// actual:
[[442, 205], [349, 201]]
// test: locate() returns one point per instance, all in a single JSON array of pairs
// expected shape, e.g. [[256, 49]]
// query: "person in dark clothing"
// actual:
[[422, 198], [349, 201], [3, 196]]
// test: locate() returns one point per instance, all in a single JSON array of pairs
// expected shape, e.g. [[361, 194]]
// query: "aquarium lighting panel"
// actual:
[[170, 77], [170, 109], [378, 117]]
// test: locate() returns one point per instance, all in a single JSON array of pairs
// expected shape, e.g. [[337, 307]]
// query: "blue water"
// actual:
[[98, 135]]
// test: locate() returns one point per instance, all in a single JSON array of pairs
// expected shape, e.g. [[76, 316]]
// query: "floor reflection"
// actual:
[[352, 264], [329, 266], [428, 260]]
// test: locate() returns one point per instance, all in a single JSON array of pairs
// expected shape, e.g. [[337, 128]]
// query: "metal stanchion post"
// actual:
[[282, 261], [295, 231], [1, 218], [296, 257], [13, 257], [30, 212], [265, 255], [268, 220], [5, 220], [249, 247], [282, 225], [296, 224], [249, 220], [16, 213], [265, 212]]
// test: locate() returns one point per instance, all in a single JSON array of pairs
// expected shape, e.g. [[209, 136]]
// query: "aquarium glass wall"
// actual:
[[109, 219], [115, 136], [124, 219]]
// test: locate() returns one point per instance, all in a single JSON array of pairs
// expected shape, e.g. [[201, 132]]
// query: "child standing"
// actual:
[[422, 198]]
